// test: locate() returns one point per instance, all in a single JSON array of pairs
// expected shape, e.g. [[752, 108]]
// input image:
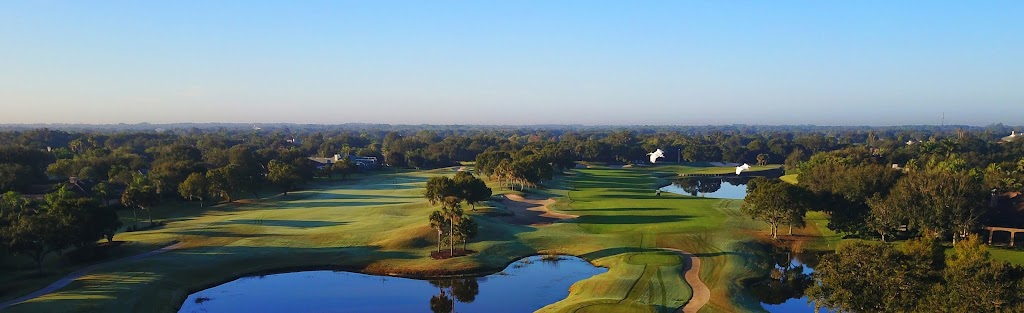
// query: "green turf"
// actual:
[[790, 178], [378, 224]]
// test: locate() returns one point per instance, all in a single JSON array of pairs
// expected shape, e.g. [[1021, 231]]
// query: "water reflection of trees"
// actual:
[[463, 290], [784, 276], [693, 186]]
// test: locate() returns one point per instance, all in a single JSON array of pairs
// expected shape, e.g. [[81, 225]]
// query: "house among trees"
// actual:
[[322, 163], [364, 163], [1013, 136]]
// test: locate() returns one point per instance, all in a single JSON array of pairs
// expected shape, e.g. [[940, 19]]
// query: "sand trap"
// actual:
[[531, 211]]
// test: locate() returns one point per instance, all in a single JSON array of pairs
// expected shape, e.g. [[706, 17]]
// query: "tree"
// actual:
[[762, 159], [886, 215], [103, 192], [194, 187], [343, 167], [440, 187], [247, 170], [284, 175], [439, 224], [224, 181], [868, 277], [31, 235], [467, 229], [142, 196], [12, 205], [487, 162], [942, 197], [842, 182], [14, 176], [101, 222], [452, 209], [975, 283], [774, 202], [472, 189]]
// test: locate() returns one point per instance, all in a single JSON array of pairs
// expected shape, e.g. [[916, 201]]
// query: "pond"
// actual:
[[788, 275], [711, 187], [524, 286]]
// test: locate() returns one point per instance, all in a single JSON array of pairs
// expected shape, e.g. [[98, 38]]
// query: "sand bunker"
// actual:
[[531, 211]]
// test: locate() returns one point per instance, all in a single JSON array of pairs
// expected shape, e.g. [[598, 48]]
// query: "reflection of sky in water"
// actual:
[[728, 191], [794, 305], [525, 286]]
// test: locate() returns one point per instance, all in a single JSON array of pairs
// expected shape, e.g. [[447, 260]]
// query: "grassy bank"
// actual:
[[378, 224]]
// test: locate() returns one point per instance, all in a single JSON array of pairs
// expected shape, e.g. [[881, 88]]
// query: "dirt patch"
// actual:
[[531, 211], [446, 254], [797, 242]]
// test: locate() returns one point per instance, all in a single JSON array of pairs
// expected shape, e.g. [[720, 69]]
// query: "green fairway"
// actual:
[[378, 224]]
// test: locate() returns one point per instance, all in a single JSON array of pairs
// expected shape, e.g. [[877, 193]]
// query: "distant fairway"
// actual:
[[378, 224]]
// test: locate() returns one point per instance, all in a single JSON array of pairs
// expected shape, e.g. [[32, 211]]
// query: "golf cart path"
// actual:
[[64, 281], [701, 293]]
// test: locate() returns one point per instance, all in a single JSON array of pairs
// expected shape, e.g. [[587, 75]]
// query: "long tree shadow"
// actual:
[[281, 223], [318, 204], [629, 219], [620, 210], [614, 251]]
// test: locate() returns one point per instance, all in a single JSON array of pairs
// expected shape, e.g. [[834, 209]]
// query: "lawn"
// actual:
[[378, 224]]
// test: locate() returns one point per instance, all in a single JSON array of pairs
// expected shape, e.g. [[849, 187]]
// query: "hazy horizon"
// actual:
[[865, 63]]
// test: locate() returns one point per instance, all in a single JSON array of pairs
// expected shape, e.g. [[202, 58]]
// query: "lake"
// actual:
[[782, 289], [711, 187], [787, 276], [524, 286]]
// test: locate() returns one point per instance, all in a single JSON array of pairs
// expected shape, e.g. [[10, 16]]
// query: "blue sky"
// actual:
[[514, 62]]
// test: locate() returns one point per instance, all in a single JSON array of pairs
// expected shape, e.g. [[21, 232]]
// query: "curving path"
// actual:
[[701, 293], [64, 281]]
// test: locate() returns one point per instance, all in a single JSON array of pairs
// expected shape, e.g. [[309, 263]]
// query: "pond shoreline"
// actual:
[[471, 272], [344, 279]]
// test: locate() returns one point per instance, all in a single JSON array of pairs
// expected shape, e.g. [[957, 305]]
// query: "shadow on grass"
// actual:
[[621, 210], [614, 251], [212, 233], [316, 204], [628, 219], [282, 223]]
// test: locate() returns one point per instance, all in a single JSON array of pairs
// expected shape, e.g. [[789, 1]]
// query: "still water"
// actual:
[[524, 286], [711, 187], [788, 274]]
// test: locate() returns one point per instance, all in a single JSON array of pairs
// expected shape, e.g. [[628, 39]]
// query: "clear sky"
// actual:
[[513, 62]]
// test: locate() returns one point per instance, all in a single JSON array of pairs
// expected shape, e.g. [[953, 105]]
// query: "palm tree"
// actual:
[[437, 222], [452, 209]]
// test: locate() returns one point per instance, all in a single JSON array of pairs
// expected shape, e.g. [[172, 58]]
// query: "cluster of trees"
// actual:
[[451, 222], [777, 203], [62, 220], [917, 277], [525, 168], [930, 194]]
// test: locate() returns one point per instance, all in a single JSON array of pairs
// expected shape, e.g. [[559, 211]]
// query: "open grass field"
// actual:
[[378, 224]]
